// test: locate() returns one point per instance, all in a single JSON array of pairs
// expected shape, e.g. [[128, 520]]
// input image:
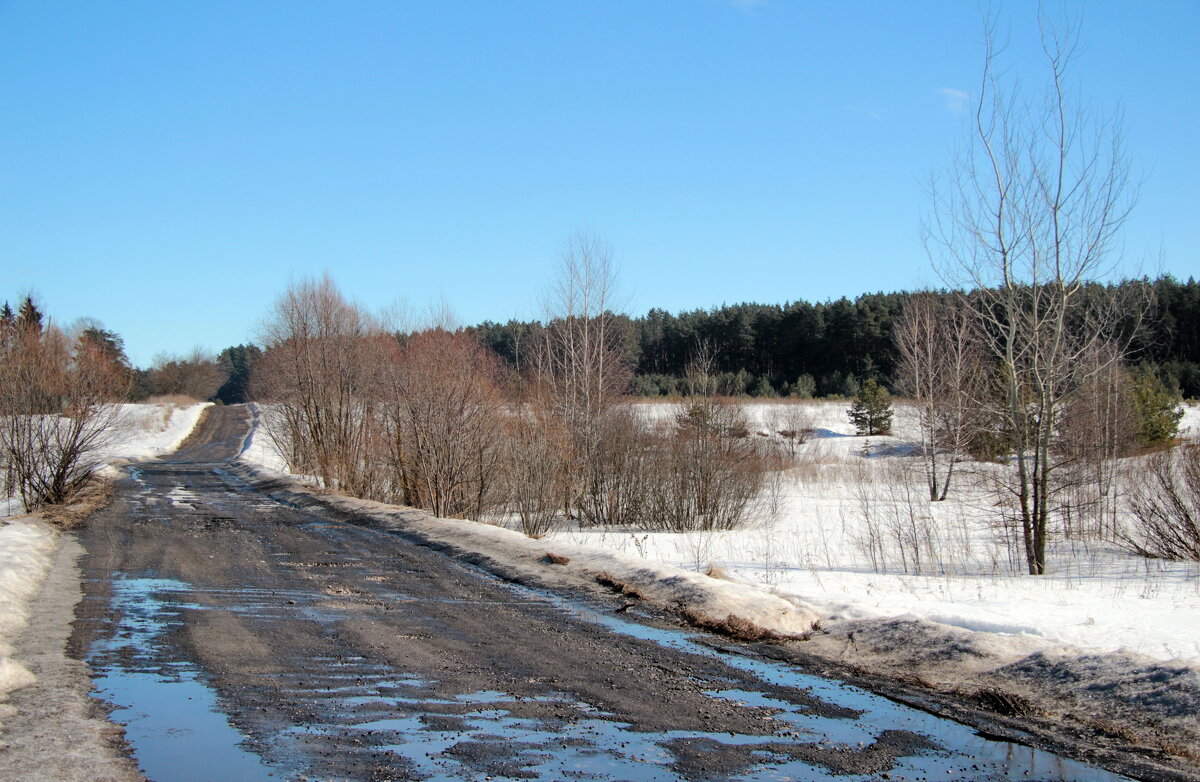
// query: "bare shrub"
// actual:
[[794, 423], [1164, 500], [56, 411], [896, 528], [618, 475], [708, 475], [536, 453], [443, 423]]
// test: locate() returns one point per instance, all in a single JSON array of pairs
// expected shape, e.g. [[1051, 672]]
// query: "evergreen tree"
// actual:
[[238, 364], [30, 317], [110, 344], [871, 412], [1156, 410], [763, 388], [804, 387]]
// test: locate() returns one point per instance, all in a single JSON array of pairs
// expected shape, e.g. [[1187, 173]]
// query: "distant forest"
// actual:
[[830, 348], [797, 349]]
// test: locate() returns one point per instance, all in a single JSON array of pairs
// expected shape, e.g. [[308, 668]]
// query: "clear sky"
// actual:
[[168, 167]]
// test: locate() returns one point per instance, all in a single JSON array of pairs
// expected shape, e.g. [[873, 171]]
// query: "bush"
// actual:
[[1164, 501]]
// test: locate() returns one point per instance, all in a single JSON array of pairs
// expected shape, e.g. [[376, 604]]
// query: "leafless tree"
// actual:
[[1026, 218], [1096, 427], [320, 369], [942, 370], [581, 360]]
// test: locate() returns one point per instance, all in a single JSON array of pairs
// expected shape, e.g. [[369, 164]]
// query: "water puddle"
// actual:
[[359, 705], [171, 717]]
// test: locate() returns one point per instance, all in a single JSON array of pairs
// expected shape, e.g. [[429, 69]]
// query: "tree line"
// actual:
[[830, 348]]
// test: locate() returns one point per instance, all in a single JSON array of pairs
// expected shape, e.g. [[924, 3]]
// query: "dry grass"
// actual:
[[556, 559], [96, 494], [606, 579], [179, 400], [732, 626]]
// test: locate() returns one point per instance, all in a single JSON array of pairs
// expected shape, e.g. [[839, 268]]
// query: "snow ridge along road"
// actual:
[[240, 629]]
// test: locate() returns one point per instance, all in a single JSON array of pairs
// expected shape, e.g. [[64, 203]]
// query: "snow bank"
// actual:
[[260, 449], [148, 430], [704, 599], [25, 551]]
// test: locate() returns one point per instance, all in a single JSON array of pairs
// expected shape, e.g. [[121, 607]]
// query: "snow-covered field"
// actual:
[[27, 543], [815, 550]]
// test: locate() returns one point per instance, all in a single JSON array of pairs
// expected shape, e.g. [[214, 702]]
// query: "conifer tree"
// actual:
[[871, 412], [1157, 411]]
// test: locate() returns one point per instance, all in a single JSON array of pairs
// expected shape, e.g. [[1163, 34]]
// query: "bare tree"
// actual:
[[321, 370], [942, 371], [1027, 216], [581, 361], [1097, 425]]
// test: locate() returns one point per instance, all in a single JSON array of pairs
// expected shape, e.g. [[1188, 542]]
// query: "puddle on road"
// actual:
[[175, 726], [171, 716]]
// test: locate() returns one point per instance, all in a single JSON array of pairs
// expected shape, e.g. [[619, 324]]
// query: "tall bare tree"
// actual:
[[941, 370], [1027, 217], [581, 361]]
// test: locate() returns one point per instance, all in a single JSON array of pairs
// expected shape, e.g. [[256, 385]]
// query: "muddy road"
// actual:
[[238, 631]]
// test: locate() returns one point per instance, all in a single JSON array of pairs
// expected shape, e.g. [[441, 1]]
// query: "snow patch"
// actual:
[[25, 551]]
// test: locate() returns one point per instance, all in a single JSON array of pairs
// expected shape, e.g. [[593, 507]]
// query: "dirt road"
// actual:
[[242, 631]]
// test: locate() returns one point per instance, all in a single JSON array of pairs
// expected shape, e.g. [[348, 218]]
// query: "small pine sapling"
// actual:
[[871, 412]]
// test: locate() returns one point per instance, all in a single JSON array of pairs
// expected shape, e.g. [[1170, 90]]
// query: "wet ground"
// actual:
[[239, 634]]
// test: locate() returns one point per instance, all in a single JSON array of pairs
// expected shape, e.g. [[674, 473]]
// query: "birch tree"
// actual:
[[1026, 216]]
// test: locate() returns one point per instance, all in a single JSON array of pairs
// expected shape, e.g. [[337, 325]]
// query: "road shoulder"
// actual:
[[59, 732]]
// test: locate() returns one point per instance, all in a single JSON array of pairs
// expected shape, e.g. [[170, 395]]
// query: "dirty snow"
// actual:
[[26, 547]]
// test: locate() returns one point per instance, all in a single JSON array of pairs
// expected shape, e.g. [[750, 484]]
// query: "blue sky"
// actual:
[[167, 168]]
